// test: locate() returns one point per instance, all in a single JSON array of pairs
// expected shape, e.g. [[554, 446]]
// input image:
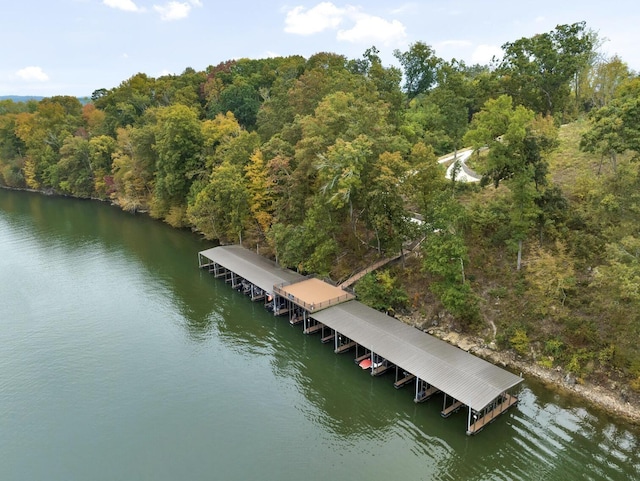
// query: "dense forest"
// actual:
[[323, 162]]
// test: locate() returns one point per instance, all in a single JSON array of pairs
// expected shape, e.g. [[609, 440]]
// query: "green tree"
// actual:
[[178, 145], [133, 168], [74, 168], [101, 150], [445, 256], [221, 210], [381, 291], [604, 80], [616, 294], [420, 66], [518, 144], [614, 129], [12, 150], [385, 210], [242, 100], [540, 72]]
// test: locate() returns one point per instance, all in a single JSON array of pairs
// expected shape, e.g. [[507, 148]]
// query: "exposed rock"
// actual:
[[609, 399]]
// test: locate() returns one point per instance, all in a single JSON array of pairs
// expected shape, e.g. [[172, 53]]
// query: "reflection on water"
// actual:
[[121, 360]]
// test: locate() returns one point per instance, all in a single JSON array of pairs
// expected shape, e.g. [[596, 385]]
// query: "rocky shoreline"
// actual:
[[613, 401]]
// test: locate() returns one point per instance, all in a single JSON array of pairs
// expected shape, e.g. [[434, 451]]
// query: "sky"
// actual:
[[74, 47]]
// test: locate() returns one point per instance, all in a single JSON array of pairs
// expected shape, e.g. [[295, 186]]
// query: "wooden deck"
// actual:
[[328, 338], [424, 395], [381, 369], [493, 414], [345, 347], [313, 329], [358, 360], [404, 381], [448, 411]]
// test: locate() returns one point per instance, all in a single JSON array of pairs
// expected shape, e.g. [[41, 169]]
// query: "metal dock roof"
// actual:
[[469, 379], [258, 270]]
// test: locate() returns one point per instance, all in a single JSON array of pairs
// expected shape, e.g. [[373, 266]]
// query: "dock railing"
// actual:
[[313, 306]]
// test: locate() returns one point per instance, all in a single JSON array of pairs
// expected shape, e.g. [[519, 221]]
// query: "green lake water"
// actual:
[[121, 360]]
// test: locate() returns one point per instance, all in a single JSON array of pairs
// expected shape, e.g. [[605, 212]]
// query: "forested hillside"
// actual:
[[322, 162]]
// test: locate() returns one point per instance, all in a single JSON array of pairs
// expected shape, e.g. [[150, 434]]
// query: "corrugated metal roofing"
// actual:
[[258, 270], [469, 379]]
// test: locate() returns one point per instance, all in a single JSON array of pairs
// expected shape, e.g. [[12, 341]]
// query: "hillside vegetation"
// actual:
[[322, 162]]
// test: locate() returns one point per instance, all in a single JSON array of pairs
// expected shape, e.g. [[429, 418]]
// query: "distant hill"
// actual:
[[26, 98], [20, 98]]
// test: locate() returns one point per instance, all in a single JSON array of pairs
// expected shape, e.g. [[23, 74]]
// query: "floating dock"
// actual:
[[431, 364]]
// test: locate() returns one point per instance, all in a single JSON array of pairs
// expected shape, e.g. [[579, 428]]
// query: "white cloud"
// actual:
[[323, 16], [372, 29], [126, 5], [32, 74], [176, 10], [363, 28], [484, 53]]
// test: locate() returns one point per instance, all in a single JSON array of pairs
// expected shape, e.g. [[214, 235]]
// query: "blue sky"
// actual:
[[73, 47]]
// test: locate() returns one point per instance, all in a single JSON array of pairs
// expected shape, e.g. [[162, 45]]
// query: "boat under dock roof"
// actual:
[[469, 379]]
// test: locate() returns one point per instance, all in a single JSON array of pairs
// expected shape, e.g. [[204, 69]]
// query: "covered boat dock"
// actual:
[[381, 342], [433, 364]]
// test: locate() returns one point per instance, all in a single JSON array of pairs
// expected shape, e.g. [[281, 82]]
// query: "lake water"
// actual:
[[121, 360]]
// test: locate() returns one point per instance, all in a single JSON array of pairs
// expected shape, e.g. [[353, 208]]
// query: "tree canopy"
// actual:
[[329, 163]]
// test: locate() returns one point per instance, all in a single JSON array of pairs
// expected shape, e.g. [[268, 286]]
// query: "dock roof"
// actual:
[[469, 379], [258, 270]]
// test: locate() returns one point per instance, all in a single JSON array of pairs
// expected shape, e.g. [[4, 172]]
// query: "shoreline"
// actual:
[[599, 397], [607, 400]]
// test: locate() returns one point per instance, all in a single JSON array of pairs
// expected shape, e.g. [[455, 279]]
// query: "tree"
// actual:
[[74, 168], [614, 129], [540, 72], [381, 291], [133, 168], [420, 66], [426, 179], [178, 146], [518, 144], [606, 76], [385, 206], [101, 150], [261, 195], [221, 210], [12, 150], [550, 275], [341, 170], [43, 133], [242, 100], [445, 255], [616, 293]]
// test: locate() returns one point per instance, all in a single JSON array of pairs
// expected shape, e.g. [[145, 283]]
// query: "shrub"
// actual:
[[520, 341]]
